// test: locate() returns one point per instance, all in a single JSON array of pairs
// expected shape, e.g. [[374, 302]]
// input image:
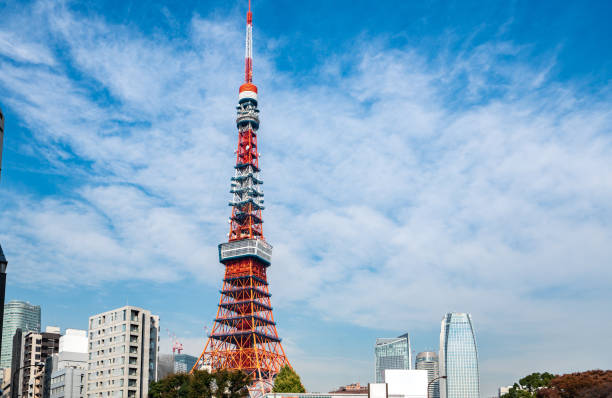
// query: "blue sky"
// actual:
[[418, 158]]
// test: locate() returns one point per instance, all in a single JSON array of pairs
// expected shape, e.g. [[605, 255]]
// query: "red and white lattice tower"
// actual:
[[243, 336]]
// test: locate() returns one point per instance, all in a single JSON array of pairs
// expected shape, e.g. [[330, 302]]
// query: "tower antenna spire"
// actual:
[[248, 56]]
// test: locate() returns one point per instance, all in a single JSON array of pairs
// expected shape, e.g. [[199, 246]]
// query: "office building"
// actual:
[[37, 347], [66, 371], [392, 353], [458, 357], [503, 390], [168, 364], [183, 363], [17, 315], [428, 361], [122, 352]]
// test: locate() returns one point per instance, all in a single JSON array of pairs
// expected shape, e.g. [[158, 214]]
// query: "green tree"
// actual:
[[288, 381], [231, 384], [201, 384], [529, 385], [173, 386]]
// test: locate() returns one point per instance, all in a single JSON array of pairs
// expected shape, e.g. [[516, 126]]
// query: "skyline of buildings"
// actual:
[[458, 357], [392, 353], [65, 373]]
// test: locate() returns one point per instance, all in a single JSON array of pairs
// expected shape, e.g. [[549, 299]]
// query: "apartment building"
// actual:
[[37, 347], [122, 353]]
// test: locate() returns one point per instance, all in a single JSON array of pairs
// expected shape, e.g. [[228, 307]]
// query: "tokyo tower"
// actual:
[[243, 336]]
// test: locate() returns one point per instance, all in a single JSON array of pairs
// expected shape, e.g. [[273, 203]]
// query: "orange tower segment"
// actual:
[[244, 336]]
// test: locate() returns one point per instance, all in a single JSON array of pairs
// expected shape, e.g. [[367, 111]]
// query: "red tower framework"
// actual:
[[244, 335]]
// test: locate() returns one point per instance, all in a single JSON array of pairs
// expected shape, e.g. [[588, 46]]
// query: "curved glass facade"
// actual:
[[17, 315], [458, 357]]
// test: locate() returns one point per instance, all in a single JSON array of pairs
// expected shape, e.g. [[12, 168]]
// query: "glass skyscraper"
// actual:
[[17, 315], [392, 354], [458, 357], [429, 361]]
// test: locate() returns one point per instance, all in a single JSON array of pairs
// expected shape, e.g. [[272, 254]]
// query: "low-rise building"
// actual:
[[65, 372], [354, 388]]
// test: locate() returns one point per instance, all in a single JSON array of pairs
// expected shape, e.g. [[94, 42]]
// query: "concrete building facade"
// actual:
[[428, 361], [17, 315], [66, 371], [16, 361], [37, 347], [122, 353]]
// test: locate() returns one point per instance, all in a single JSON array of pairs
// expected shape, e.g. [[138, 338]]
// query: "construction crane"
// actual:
[[177, 347]]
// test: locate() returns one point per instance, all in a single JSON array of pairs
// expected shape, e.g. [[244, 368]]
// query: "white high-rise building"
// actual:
[[123, 348]]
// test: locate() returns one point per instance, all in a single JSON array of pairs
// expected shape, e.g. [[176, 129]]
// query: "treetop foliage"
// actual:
[[287, 380], [528, 385], [201, 384], [590, 384]]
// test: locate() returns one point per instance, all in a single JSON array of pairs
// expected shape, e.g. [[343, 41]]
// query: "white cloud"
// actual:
[[404, 189], [14, 47]]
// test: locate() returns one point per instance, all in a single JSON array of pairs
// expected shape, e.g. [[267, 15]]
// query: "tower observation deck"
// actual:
[[244, 336]]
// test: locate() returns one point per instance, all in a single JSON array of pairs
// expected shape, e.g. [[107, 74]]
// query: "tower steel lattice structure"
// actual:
[[244, 336]]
